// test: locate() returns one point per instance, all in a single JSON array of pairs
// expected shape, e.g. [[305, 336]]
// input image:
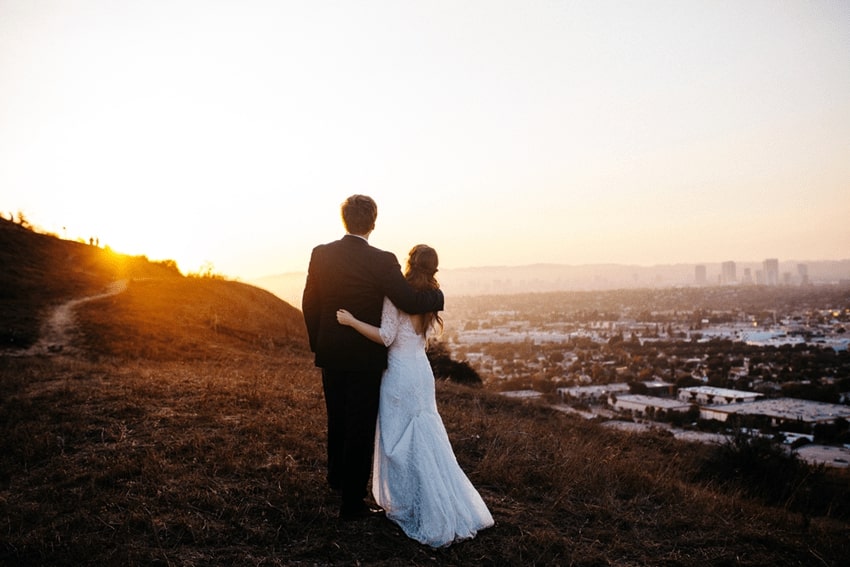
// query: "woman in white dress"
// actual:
[[415, 476]]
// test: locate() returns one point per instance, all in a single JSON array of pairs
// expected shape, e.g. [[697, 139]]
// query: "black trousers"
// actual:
[[351, 398]]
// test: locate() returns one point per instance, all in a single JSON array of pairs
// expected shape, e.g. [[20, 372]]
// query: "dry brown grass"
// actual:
[[190, 431], [189, 318], [218, 462]]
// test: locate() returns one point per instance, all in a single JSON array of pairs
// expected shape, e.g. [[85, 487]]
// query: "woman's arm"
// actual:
[[369, 331]]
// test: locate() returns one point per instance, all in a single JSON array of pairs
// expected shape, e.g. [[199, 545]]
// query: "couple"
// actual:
[[367, 325]]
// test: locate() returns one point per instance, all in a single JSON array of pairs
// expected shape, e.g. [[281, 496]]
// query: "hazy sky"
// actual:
[[500, 132]]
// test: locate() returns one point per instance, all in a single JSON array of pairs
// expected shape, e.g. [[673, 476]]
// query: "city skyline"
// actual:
[[535, 278]]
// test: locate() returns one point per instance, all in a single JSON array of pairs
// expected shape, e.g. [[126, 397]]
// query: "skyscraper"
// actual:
[[727, 273], [699, 274], [803, 272], [771, 271]]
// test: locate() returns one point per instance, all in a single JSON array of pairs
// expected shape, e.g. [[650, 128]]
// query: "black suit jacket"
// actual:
[[351, 274]]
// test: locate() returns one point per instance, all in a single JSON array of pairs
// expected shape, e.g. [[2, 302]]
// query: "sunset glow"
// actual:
[[501, 133]]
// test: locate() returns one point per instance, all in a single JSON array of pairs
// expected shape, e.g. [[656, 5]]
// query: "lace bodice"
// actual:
[[408, 385], [398, 332]]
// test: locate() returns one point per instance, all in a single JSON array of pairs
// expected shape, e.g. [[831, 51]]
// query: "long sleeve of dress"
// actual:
[[390, 318]]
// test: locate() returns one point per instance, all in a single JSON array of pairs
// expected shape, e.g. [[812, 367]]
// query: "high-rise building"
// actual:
[[727, 273], [803, 272], [771, 271], [748, 277], [699, 274]]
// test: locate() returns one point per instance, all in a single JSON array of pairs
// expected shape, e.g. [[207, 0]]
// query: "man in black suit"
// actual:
[[351, 274]]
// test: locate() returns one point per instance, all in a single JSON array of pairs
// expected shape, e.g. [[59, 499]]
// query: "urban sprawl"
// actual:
[[702, 362]]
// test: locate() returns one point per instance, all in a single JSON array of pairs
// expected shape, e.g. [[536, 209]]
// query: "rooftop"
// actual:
[[719, 392], [652, 401], [788, 409]]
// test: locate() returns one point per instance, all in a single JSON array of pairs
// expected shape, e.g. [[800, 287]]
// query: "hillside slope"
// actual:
[[162, 314], [190, 318]]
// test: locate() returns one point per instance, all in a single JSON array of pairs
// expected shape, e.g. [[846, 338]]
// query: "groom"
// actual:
[[351, 274]]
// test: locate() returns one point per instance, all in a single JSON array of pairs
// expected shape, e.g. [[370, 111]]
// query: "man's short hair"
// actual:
[[359, 213]]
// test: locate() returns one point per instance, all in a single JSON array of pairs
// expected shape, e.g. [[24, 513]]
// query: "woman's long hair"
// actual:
[[421, 266]]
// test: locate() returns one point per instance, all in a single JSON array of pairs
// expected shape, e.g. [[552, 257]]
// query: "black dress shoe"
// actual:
[[361, 512]]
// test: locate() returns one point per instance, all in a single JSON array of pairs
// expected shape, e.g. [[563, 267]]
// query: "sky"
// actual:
[[226, 134]]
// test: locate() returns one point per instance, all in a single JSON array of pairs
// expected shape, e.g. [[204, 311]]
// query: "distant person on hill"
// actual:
[[415, 475], [351, 274]]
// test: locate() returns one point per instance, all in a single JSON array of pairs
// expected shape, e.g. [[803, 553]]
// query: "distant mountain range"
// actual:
[[499, 280]]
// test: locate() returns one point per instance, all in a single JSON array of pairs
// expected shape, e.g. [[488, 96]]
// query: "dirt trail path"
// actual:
[[56, 331]]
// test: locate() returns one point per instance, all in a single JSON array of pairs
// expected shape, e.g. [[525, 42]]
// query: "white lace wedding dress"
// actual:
[[415, 476]]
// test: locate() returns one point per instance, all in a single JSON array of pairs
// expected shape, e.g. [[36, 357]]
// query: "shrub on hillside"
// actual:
[[758, 466], [446, 368]]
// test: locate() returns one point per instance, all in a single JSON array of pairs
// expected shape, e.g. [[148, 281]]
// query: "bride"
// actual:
[[415, 476]]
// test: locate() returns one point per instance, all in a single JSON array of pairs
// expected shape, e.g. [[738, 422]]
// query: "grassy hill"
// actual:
[[162, 314], [184, 425]]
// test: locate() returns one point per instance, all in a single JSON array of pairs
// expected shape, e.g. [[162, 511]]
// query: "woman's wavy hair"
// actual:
[[422, 264]]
